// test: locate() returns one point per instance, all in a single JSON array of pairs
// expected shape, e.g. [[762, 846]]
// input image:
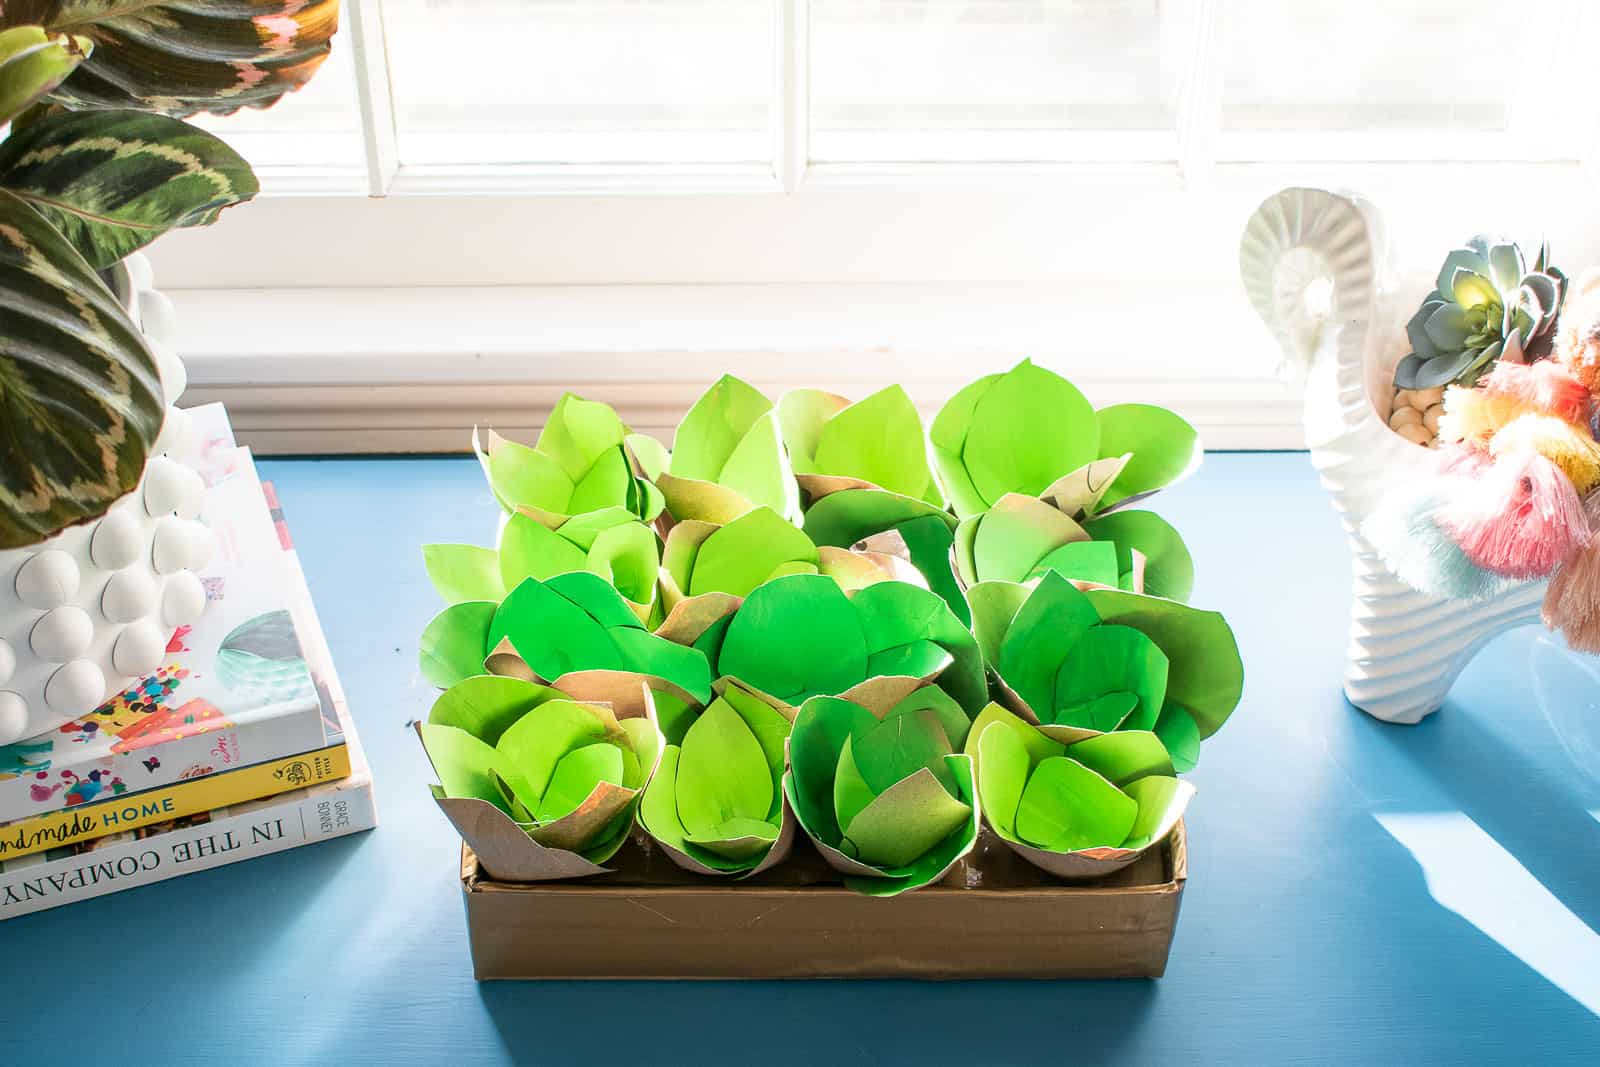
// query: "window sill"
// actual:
[[412, 370]]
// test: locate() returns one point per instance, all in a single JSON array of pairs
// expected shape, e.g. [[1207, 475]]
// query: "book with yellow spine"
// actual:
[[131, 811]]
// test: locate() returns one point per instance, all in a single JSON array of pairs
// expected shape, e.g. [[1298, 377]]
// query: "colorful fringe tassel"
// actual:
[[1571, 449], [1405, 531], [1572, 603], [1520, 521], [1544, 387]]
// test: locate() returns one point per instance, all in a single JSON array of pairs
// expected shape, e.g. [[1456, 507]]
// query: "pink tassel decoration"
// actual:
[[1545, 387], [1572, 604], [1520, 520]]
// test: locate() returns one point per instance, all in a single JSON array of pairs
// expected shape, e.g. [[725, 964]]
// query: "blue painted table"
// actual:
[[1359, 893]]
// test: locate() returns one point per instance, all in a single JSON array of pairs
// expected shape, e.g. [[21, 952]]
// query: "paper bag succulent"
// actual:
[[611, 543], [716, 802], [579, 464], [1027, 429], [728, 457], [1079, 810], [1083, 663], [96, 163], [1022, 537], [885, 796], [865, 483], [801, 636], [542, 786], [548, 631]]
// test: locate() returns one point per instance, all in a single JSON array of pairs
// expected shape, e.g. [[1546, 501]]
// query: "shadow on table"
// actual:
[[819, 1021]]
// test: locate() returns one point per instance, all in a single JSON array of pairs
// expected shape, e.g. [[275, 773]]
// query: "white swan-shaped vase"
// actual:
[[1310, 261]]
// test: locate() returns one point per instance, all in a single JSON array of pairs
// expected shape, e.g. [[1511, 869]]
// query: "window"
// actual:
[[1085, 159]]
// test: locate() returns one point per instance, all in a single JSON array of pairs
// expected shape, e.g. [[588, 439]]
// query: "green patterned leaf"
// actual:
[[80, 399], [113, 181], [182, 58], [32, 63]]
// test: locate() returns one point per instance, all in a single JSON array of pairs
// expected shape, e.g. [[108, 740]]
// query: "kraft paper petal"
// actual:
[[1079, 494], [690, 618], [628, 694], [1206, 675], [463, 572], [1168, 567], [504, 661], [906, 820], [486, 705], [815, 487], [691, 498], [1165, 448], [453, 643], [504, 849], [577, 829]]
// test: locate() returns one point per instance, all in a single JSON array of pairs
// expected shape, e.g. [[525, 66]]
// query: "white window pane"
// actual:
[[583, 81], [1417, 79], [996, 79], [315, 128]]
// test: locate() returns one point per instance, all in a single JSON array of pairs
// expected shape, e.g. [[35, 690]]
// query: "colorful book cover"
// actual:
[[163, 850], [235, 691]]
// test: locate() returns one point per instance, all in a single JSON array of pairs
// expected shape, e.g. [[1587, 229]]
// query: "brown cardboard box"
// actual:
[[993, 917]]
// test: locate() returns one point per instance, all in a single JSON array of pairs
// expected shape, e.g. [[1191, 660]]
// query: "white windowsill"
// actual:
[[412, 370]]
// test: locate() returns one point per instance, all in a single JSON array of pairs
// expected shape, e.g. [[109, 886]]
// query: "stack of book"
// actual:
[[239, 745]]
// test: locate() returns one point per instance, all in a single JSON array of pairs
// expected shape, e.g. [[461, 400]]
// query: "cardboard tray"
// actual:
[[993, 917]]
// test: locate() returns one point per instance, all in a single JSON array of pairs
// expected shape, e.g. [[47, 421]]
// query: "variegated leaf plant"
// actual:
[[96, 163]]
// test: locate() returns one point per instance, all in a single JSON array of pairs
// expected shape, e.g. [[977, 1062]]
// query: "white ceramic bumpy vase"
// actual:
[[1311, 265], [94, 607]]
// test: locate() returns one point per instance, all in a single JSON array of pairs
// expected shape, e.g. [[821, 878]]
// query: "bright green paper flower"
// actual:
[[716, 803], [877, 441], [1079, 810], [1025, 430], [578, 465], [545, 631], [568, 774], [1080, 664], [884, 796], [1021, 537], [727, 457], [801, 636], [705, 559], [611, 543]]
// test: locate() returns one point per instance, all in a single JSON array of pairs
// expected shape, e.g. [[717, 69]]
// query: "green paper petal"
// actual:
[[1003, 766], [1083, 561], [1169, 569], [529, 549], [851, 792], [741, 555], [879, 440], [795, 637], [1178, 732], [1105, 661], [898, 747], [1206, 675], [463, 572], [723, 773], [464, 764], [533, 745], [1123, 757], [574, 778], [1028, 428], [1066, 807], [454, 642], [486, 705], [1053, 619], [520, 475], [1016, 534], [1164, 447], [821, 728], [1161, 801], [578, 432]]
